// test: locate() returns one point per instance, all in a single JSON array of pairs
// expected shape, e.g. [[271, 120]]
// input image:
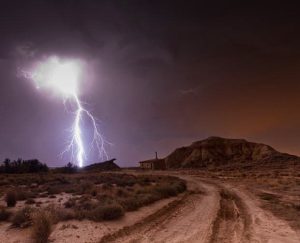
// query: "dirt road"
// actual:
[[211, 212]]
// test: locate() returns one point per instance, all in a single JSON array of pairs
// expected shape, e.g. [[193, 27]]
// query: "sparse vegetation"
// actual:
[[4, 214], [42, 226], [93, 196], [30, 201], [107, 212], [22, 218], [11, 199]]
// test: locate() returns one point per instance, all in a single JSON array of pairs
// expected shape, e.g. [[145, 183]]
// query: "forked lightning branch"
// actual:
[[63, 76]]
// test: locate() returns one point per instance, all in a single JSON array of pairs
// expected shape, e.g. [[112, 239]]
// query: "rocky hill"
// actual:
[[223, 152]]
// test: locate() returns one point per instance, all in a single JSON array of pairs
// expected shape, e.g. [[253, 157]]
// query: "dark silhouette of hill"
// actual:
[[222, 152]]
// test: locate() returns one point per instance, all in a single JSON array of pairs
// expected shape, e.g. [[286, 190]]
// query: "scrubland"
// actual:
[[40, 201], [219, 205]]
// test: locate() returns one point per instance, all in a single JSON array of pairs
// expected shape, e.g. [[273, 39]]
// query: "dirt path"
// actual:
[[265, 227], [211, 212], [190, 220], [220, 214]]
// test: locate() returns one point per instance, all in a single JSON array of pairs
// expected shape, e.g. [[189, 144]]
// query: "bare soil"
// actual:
[[217, 208]]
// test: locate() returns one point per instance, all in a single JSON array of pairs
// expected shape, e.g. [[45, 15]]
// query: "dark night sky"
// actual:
[[165, 73]]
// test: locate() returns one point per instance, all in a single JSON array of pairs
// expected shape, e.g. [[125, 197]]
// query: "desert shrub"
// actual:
[[4, 214], [94, 192], [166, 190], [42, 226], [4, 182], [65, 214], [180, 186], [22, 218], [11, 199], [30, 201], [53, 190], [130, 204], [80, 214], [107, 186], [145, 199], [85, 204], [71, 189], [104, 198], [70, 203], [23, 195], [86, 187], [297, 206], [107, 212], [122, 193]]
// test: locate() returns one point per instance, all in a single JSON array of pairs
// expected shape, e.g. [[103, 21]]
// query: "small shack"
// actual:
[[153, 164]]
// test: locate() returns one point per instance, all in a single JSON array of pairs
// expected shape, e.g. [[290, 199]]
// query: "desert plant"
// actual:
[[22, 218], [4, 214], [166, 190], [30, 201], [65, 214], [107, 212], [42, 226], [70, 203], [130, 204], [23, 195], [85, 187], [11, 199]]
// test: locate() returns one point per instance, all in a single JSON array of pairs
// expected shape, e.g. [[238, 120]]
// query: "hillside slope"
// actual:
[[223, 152]]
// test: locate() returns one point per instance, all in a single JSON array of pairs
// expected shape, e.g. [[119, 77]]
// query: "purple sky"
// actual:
[[161, 75]]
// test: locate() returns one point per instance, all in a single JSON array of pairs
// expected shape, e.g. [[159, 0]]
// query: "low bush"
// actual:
[[22, 195], [42, 226], [11, 199], [70, 203], [30, 201], [130, 204], [65, 214], [166, 190], [22, 218], [4, 214], [107, 212]]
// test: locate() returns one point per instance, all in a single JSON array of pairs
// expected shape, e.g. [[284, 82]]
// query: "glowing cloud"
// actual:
[[63, 77], [58, 75]]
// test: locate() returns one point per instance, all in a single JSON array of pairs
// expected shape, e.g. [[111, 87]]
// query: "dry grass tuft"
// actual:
[[11, 199], [42, 226], [4, 214], [107, 212], [22, 218]]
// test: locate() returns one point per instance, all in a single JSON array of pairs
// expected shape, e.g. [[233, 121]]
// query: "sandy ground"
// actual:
[[79, 231], [198, 219], [202, 216]]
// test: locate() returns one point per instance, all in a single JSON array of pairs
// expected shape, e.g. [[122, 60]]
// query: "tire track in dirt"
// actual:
[[232, 222], [220, 213], [190, 220], [265, 226], [259, 225]]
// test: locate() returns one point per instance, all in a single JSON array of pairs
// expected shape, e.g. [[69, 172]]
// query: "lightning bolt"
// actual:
[[77, 143], [62, 77]]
